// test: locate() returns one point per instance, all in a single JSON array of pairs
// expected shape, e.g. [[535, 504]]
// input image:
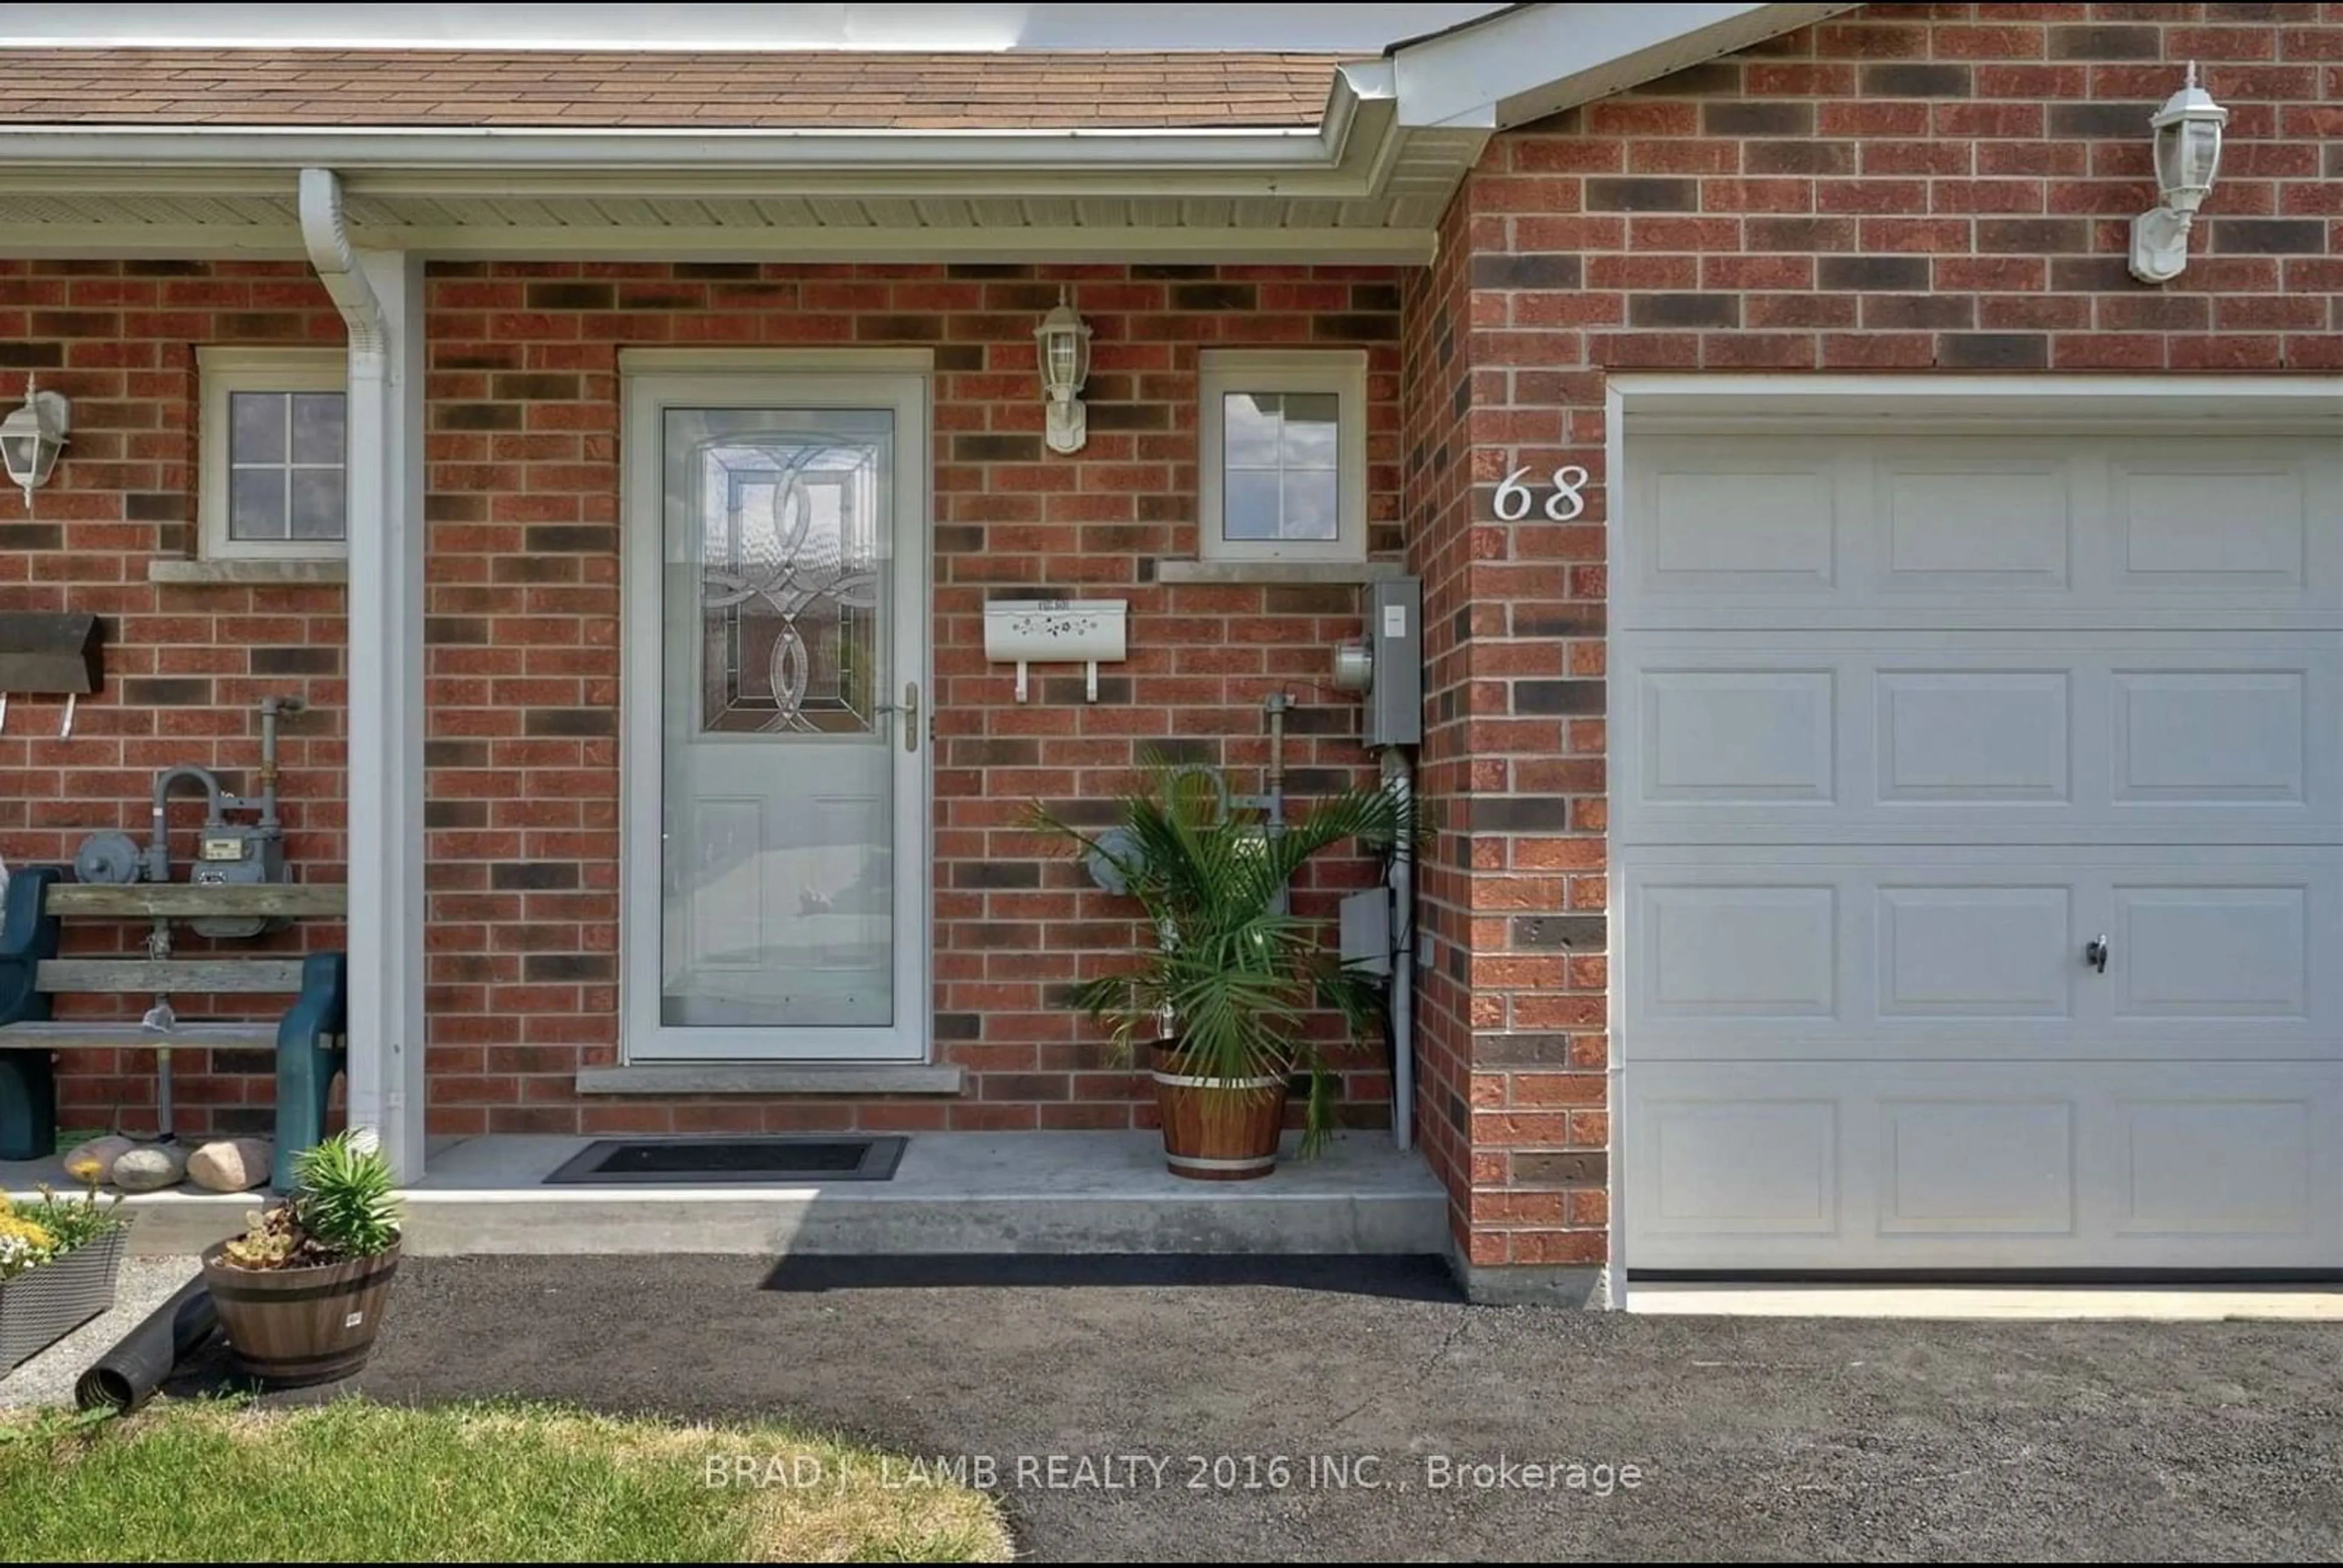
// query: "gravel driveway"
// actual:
[[1751, 1438]]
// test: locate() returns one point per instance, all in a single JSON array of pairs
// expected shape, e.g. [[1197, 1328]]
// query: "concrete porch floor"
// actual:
[[1038, 1192]]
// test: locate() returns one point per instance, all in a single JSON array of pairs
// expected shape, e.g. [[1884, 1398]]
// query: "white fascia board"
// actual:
[[1533, 61]]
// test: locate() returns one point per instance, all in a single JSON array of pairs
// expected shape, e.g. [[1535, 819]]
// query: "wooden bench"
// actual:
[[308, 1039]]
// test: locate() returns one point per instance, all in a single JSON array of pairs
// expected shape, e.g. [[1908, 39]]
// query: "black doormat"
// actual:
[[1406, 1276], [684, 1161]]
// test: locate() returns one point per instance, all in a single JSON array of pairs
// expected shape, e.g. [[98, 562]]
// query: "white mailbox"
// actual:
[[1087, 631]]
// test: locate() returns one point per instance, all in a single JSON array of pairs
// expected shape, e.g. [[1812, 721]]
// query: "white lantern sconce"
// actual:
[[1064, 345], [2187, 155], [32, 436]]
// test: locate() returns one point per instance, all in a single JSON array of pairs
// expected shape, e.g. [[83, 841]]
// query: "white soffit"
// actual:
[[1533, 61]]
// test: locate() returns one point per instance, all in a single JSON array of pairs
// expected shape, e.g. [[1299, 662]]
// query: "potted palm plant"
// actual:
[[1220, 999], [300, 1293], [59, 1261]]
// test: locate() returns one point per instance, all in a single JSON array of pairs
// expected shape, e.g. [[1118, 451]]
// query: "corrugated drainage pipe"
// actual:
[[1400, 780]]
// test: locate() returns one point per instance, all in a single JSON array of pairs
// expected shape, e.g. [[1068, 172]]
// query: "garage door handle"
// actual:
[[2094, 953]]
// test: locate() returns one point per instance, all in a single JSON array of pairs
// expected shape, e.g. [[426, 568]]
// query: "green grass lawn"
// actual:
[[353, 1481]]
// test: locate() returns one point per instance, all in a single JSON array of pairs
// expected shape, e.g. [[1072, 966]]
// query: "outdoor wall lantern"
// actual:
[[2187, 152], [1063, 340], [32, 436]]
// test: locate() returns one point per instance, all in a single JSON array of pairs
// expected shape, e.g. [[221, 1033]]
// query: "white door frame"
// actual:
[[652, 381]]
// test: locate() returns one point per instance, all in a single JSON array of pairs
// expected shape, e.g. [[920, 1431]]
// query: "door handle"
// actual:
[[909, 709], [2094, 953]]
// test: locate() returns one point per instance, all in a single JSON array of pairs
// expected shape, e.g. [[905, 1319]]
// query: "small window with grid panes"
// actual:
[[274, 443]]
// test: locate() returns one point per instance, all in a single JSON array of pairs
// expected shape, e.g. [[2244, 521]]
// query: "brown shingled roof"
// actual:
[[1027, 91]]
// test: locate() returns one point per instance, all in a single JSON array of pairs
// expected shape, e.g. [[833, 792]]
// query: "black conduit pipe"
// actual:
[[127, 1376]]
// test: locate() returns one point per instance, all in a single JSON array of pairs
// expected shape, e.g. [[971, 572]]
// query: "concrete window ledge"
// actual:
[[178, 569], [1301, 572], [769, 1078]]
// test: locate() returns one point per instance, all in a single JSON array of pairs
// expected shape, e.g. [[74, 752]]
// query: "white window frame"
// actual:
[[221, 372], [1341, 371]]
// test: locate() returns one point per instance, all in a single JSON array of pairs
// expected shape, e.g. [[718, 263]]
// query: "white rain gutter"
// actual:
[[362, 147]]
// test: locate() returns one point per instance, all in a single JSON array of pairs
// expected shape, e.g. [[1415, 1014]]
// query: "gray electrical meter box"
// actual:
[[1396, 644]]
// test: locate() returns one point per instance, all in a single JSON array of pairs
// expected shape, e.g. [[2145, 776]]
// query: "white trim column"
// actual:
[[385, 716]]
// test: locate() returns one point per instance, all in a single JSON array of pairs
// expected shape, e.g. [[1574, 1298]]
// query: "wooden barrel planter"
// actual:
[[1217, 1128], [292, 1327]]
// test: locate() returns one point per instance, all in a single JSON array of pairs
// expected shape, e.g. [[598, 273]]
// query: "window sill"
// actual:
[[1305, 572], [770, 1078], [257, 571]]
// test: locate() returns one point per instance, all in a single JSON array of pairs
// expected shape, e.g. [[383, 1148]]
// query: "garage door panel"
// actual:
[[2200, 737], [1741, 951], [1953, 736], [1744, 522], [1980, 1164], [2047, 1165], [2016, 529], [2215, 952], [2196, 1166], [1765, 1167], [1749, 953], [1930, 737], [2206, 524], [1985, 952], [2007, 530], [1726, 735]]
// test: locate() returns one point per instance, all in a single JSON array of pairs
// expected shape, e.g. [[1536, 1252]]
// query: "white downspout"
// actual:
[[385, 1019]]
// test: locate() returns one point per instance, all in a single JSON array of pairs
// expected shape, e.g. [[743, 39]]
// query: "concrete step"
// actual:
[[1030, 1192]]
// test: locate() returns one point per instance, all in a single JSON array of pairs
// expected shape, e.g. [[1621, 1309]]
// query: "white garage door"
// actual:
[[1902, 728]]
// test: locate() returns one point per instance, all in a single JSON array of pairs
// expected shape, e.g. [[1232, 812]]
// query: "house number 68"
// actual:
[[1568, 500]]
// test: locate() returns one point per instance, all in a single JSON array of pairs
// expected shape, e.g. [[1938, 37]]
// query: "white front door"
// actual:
[[775, 771]]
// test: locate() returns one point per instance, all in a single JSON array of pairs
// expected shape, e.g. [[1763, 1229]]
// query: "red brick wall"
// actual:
[[524, 658], [1437, 393], [184, 665], [1906, 187]]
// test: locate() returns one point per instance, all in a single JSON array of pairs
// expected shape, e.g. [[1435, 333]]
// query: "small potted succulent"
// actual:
[[300, 1293], [1221, 1000], [59, 1259]]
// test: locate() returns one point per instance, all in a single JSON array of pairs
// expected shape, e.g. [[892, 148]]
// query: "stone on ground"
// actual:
[[150, 1167], [230, 1164], [92, 1163]]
